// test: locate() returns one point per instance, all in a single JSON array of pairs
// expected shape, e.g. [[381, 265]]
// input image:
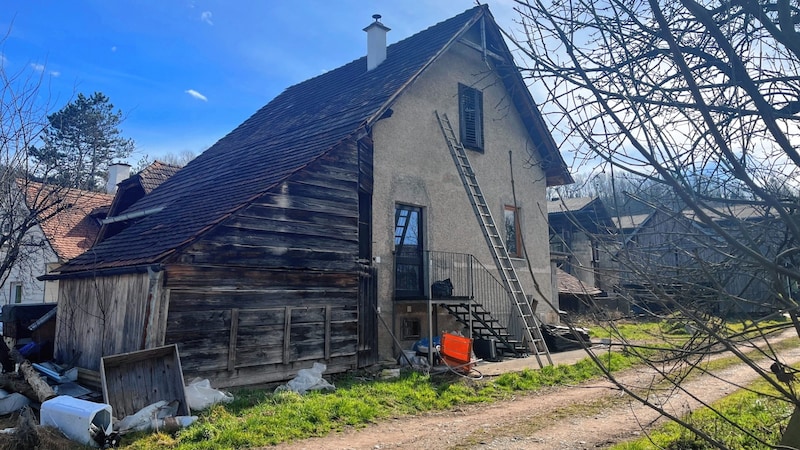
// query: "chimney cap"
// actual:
[[377, 23]]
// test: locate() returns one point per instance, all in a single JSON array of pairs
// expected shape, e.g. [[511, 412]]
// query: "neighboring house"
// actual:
[[675, 253], [583, 234], [327, 214], [65, 228]]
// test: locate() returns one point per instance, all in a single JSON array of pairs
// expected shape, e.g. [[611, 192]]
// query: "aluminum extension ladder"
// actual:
[[530, 323]]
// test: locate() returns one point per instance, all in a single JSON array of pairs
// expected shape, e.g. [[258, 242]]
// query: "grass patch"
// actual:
[[760, 414], [260, 418]]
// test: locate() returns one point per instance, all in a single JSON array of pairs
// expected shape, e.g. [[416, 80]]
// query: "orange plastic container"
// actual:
[[457, 351]]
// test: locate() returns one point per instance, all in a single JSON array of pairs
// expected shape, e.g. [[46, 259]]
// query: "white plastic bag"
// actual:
[[308, 380], [200, 395]]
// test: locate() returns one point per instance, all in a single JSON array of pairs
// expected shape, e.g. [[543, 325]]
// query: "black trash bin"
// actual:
[[486, 349]]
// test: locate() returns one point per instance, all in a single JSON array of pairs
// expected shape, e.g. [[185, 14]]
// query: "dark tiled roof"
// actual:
[[151, 176], [298, 126]]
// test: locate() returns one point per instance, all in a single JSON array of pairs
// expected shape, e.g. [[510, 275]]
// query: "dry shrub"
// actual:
[[31, 436]]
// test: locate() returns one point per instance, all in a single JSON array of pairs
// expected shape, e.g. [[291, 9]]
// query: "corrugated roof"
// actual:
[[72, 230], [298, 126], [629, 222], [569, 204]]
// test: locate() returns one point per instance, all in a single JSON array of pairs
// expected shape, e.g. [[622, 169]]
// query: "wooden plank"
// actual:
[[266, 336], [220, 277], [287, 330], [258, 356], [101, 316], [248, 255], [270, 241], [262, 317], [134, 380], [339, 219], [194, 300], [328, 332], [270, 373], [233, 338]]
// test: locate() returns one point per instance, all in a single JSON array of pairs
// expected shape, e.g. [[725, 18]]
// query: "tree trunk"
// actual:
[[38, 384], [43, 390], [791, 437]]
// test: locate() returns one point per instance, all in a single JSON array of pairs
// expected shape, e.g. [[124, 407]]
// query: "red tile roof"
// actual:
[[72, 230]]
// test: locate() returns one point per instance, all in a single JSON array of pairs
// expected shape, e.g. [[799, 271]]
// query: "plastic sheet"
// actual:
[[200, 395], [308, 380]]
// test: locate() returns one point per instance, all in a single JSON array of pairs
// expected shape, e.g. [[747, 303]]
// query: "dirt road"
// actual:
[[590, 415]]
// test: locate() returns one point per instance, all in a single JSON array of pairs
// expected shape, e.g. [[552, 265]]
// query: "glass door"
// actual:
[[409, 276]]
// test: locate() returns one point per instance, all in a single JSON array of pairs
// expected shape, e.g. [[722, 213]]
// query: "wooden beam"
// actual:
[[232, 341], [328, 332], [477, 47], [287, 333]]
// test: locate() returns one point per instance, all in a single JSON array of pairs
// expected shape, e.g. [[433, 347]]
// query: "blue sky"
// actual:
[[186, 72]]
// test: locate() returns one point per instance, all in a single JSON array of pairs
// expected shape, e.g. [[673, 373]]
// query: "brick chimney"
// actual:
[[117, 173], [376, 42]]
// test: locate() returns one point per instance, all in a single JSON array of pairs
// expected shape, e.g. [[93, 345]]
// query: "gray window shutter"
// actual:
[[471, 117]]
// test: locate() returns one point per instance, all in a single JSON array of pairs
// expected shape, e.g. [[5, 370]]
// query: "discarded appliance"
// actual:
[[486, 349], [81, 421]]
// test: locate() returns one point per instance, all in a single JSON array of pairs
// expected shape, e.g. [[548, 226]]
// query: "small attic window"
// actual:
[[470, 110]]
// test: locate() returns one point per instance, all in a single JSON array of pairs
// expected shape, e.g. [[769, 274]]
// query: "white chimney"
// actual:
[[376, 42], [117, 173]]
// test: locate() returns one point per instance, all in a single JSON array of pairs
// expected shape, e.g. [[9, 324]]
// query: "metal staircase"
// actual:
[[531, 330], [475, 316]]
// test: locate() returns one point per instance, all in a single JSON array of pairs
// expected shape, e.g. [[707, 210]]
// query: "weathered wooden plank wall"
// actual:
[[275, 286], [103, 316]]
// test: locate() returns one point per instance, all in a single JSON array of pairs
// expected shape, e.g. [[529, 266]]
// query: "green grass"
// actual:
[[260, 418], [760, 414]]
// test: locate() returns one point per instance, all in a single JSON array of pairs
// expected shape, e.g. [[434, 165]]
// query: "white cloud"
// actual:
[[37, 67], [205, 16], [196, 95], [114, 48], [55, 73]]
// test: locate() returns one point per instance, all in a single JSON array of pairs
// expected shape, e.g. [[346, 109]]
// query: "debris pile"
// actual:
[[44, 404]]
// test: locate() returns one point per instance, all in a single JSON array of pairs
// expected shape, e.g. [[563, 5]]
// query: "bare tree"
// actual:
[[25, 201], [701, 97]]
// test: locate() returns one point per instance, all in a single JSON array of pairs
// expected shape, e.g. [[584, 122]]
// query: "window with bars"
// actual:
[[470, 109]]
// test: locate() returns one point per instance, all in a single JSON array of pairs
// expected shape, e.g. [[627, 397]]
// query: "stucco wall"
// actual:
[[412, 165], [31, 264]]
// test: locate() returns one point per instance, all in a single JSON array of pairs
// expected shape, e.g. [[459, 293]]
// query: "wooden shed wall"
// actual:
[[274, 287], [107, 315]]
